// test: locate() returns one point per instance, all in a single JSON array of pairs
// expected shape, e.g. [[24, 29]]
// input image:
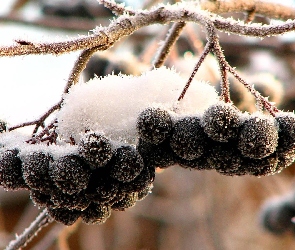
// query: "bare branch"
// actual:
[[41, 221], [268, 9], [126, 25], [171, 38]]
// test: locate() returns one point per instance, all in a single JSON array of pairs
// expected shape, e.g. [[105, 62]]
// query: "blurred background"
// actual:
[[186, 209]]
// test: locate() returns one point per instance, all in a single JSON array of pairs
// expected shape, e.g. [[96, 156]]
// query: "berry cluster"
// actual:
[[222, 138], [89, 183]]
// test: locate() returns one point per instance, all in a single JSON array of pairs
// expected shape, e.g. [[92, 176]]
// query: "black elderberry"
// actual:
[[70, 174], [96, 149], [221, 121], [11, 176], [225, 158], [128, 201], [96, 213], [3, 126], [286, 121], [35, 167], [188, 138], [126, 164], [160, 155], [77, 201], [258, 137], [200, 163], [286, 158], [64, 216], [40, 199], [154, 125], [101, 188], [260, 167], [277, 217]]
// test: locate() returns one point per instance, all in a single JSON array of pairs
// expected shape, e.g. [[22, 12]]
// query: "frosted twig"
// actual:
[[268, 106], [117, 9], [171, 38], [268, 9], [206, 51], [29, 233], [126, 25]]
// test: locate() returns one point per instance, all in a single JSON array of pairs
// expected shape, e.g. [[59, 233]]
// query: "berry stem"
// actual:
[[206, 51], [29, 233]]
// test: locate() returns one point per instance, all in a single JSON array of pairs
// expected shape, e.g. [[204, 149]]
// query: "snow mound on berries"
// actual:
[[111, 104]]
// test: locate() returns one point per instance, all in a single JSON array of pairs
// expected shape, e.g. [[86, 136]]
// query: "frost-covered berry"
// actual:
[[188, 138], [96, 149], [70, 173], [126, 164], [286, 121], [77, 201], [200, 163], [260, 167], [11, 176], [258, 137], [221, 121], [143, 180], [35, 167], [276, 216], [101, 188], [96, 213], [128, 201], [3, 126], [225, 158], [154, 125], [286, 158], [64, 216], [160, 155], [144, 193], [40, 199]]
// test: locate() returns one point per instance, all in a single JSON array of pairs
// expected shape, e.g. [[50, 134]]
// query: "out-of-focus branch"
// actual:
[[268, 9]]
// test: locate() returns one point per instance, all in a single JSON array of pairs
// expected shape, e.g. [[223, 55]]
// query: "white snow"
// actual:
[[111, 104]]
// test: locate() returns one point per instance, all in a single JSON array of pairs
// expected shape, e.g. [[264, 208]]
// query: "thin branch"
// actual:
[[41, 221], [126, 25], [171, 38], [116, 8], [206, 51], [268, 9]]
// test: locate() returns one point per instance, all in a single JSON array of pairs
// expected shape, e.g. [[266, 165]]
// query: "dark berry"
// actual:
[[160, 155], [64, 216], [40, 199], [77, 201], [11, 176], [126, 164], [221, 122], [96, 149], [35, 167], [154, 125], [70, 173], [258, 137], [286, 121], [96, 213], [128, 201], [225, 158], [286, 158], [144, 193], [3, 126], [143, 180], [260, 167], [200, 163], [101, 188], [188, 138]]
